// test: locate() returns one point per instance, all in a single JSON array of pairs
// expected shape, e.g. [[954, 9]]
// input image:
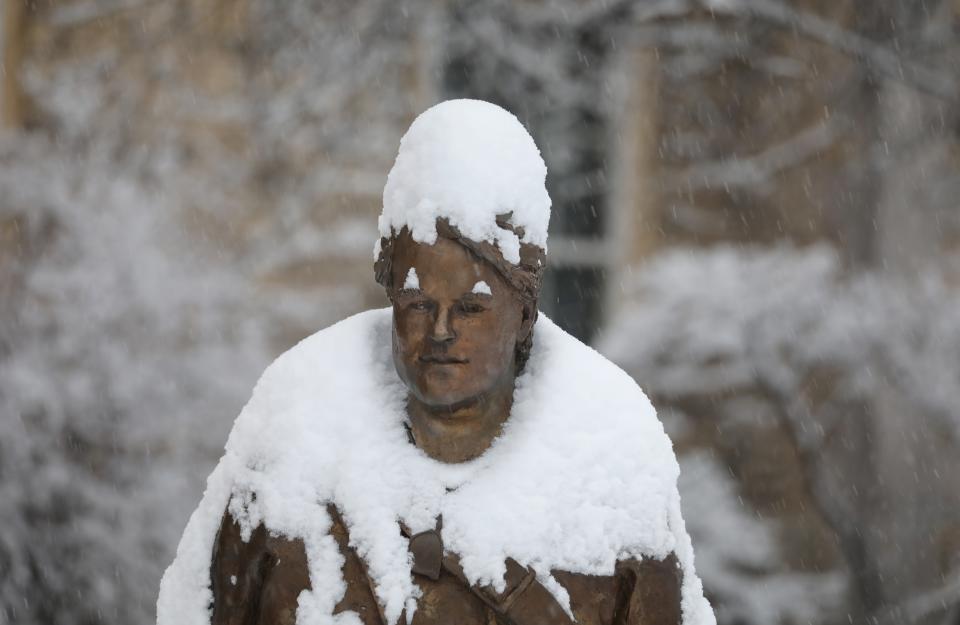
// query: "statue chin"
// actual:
[[443, 387], [446, 400]]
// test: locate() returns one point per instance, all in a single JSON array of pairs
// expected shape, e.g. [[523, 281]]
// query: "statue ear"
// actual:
[[528, 318]]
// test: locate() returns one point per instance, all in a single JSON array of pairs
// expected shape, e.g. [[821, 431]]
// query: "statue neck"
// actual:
[[459, 433]]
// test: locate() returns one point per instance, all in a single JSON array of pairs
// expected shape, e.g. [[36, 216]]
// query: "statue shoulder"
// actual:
[[653, 590]]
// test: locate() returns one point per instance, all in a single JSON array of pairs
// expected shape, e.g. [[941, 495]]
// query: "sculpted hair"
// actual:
[[526, 277]]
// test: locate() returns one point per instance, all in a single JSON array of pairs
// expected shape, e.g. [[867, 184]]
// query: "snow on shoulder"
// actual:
[[582, 476], [468, 161]]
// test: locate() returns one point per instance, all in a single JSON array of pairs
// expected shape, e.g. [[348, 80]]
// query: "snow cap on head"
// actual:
[[470, 162]]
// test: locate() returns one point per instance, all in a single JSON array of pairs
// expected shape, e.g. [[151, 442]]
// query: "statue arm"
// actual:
[[255, 582], [237, 571], [650, 592]]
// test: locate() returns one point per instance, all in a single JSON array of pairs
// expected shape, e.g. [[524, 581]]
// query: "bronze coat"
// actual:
[[258, 582]]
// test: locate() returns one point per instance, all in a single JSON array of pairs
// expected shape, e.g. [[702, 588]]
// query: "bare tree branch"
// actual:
[[913, 610], [879, 58], [755, 171]]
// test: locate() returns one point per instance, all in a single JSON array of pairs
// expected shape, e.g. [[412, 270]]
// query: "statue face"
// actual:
[[451, 344]]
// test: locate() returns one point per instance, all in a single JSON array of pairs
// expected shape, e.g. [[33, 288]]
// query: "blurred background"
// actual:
[[756, 214]]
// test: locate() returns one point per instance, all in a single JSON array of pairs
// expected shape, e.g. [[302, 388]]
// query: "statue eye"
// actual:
[[419, 304], [470, 308]]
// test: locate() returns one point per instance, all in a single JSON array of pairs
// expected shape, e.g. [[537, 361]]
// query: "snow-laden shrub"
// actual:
[[858, 369], [124, 353]]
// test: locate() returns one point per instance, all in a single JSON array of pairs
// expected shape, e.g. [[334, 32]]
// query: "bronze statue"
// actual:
[[458, 353], [463, 319]]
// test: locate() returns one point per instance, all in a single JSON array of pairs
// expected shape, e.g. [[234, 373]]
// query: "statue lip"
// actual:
[[442, 360]]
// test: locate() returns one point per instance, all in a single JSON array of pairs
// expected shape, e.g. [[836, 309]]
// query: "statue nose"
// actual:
[[442, 328]]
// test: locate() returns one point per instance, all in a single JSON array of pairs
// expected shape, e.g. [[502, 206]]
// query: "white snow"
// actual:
[[482, 288], [468, 161], [412, 280], [582, 476]]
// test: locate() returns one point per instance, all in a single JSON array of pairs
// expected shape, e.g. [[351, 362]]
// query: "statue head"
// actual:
[[462, 251], [463, 316]]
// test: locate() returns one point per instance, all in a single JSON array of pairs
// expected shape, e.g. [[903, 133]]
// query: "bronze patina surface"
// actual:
[[257, 583]]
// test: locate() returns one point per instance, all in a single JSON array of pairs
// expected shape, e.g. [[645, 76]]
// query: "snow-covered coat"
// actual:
[[257, 582], [319, 477]]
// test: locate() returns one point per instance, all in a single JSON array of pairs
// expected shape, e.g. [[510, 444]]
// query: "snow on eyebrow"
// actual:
[[482, 288], [412, 281]]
